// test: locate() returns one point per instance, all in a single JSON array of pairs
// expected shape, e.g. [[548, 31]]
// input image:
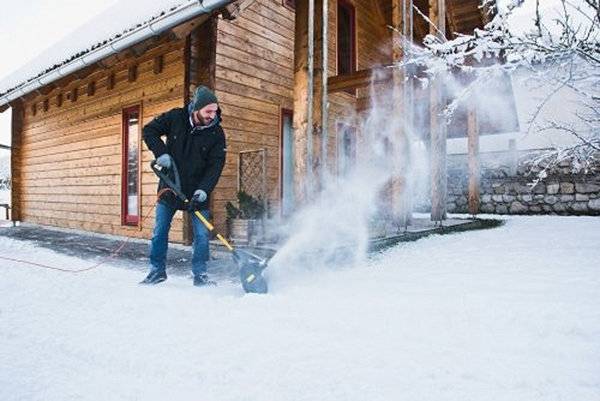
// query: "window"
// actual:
[[130, 177], [346, 43], [346, 148], [287, 162]]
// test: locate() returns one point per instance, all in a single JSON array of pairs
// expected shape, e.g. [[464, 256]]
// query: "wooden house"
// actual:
[[77, 156]]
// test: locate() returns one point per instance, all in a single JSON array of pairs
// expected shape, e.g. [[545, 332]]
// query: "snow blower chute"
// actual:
[[251, 266]]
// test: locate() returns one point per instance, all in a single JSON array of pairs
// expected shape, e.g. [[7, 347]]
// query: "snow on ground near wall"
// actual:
[[505, 314]]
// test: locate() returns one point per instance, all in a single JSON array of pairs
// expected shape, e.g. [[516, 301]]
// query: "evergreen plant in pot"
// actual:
[[244, 220]]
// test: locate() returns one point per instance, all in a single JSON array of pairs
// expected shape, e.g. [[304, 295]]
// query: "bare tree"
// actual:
[[563, 52]]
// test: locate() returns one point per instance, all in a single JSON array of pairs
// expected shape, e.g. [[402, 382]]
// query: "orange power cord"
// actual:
[[110, 256]]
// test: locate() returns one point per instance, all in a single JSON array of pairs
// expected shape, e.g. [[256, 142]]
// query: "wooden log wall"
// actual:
[[18, 114], [70, 154], [254, 81]]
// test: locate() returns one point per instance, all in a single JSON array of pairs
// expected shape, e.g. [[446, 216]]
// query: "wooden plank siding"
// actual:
[[254, 81], [71, 154], [373, 48]]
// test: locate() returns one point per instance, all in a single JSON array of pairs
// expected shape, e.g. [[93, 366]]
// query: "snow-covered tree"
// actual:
[[557, 52]]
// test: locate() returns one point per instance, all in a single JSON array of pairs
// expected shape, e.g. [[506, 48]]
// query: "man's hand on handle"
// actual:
[[164, 161], [197, 199]]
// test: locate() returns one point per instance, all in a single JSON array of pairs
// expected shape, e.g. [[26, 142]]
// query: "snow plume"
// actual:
[[332, 230], [469, 72]]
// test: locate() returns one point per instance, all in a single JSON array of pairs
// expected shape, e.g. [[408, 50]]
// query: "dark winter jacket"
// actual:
[[199, 152]]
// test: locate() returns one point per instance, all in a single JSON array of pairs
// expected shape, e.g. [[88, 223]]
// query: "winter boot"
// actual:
[[154, 277], [202, 280]]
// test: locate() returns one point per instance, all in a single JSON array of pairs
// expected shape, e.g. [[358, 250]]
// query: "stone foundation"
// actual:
[[506, 189]]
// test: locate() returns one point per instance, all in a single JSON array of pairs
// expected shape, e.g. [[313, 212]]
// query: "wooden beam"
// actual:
[[84, 72], [202, 55], [181, 31], [400, 196], [46, 89], [473, 144], [358, 79], [72, 96], [233, 10], [305, 164], [91, 88], [158, 64], [200, 69], [110, 81], [438, 125], [16, 159], [132, 73]]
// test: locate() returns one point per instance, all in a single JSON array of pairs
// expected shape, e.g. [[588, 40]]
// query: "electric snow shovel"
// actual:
[[251, 266]]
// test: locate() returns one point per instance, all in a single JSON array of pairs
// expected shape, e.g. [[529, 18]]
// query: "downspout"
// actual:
[[324, 102], [162, 23], [309, 117]]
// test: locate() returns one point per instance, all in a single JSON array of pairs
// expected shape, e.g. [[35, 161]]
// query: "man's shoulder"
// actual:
[[219, 131], [176, 112]]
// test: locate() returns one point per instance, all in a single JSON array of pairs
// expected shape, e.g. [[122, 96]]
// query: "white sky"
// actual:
[[29, 27]]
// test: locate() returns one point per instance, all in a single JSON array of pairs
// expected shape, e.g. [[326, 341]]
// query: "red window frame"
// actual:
[[351, 11], [126, 218]]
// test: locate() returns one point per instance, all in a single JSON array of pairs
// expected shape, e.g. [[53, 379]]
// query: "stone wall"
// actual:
[[510, 189]]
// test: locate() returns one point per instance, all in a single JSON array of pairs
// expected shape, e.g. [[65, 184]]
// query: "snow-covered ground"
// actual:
[[511, 313]]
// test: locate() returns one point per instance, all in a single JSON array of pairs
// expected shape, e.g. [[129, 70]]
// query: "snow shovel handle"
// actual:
[[173, 186], [158, 170]]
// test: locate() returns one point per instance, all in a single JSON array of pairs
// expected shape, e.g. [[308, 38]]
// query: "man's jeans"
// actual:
[[160, 240]]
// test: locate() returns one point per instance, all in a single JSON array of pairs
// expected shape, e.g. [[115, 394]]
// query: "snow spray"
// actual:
[[333, 229]]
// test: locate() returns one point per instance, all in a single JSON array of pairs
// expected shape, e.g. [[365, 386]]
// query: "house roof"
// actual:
[[118, 27]]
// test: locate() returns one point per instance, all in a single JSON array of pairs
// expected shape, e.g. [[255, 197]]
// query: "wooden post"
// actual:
[[307, 96], [473, 143], [18, 115], [438, 125], [400, 194], [324, 94], [200, 65]]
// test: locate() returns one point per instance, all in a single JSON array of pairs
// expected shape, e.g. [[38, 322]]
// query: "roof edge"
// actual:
[[154, 27]]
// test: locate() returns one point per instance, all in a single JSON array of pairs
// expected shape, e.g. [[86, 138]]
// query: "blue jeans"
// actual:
[[160, 240]]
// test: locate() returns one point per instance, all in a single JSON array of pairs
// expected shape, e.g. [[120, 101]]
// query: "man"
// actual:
[[195, 142]]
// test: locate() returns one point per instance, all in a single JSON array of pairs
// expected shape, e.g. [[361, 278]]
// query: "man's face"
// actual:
[[207, 114]]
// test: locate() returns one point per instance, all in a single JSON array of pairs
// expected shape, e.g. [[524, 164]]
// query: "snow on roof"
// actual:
[[122, 17]]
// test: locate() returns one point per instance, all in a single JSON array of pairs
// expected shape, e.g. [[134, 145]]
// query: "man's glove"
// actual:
[[197, 199], [164, 161]]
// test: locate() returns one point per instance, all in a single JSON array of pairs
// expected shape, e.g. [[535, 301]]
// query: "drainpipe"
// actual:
[[160, 24], [324, 102], [311, 73]]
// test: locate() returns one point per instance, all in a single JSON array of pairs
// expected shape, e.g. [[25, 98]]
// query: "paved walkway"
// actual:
[[134, 255]]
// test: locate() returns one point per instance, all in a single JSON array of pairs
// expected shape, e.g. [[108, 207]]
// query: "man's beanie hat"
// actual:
[[202, 97]]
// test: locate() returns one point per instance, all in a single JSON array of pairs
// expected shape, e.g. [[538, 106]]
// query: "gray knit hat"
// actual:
[[202, 97]]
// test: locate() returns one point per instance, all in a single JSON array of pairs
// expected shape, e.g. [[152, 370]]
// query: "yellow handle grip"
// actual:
[[211, 228]]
